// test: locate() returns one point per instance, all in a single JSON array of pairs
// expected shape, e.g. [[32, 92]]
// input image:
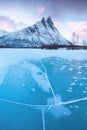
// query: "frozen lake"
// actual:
[[43, 89]]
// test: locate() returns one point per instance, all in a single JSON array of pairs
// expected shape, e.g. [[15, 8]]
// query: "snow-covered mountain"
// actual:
[[42, 33], [3, 32]]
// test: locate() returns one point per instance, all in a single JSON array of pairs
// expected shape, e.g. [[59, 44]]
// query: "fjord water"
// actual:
[[42, 92]]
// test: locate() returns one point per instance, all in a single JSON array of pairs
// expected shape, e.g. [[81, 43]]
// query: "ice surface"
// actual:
[[60, 111], [39, 76], [43, 86], [57, 111], [3, 73], [10, 57]]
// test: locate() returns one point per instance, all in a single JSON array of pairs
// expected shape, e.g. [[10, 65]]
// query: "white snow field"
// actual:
[[15, 55]]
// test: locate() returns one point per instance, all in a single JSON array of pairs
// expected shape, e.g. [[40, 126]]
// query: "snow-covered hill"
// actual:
[[3, 32], [42, 33]]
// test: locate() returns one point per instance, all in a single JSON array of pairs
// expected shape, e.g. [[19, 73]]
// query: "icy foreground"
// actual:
[[39, 88]]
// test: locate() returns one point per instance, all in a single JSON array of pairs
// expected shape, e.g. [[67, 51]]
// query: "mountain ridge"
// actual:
[[41, 33]]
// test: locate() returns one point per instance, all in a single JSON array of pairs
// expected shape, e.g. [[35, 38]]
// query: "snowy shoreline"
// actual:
[[20, 54]]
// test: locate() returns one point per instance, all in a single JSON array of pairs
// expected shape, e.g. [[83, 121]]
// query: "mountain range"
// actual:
[[41, 33]]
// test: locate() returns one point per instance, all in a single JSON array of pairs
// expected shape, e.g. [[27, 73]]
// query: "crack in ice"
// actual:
[[45, 71], [30, 105], [43, 119]]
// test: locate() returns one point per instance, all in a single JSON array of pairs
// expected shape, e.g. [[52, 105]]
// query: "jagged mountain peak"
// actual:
[[43, 21], [49, 20]]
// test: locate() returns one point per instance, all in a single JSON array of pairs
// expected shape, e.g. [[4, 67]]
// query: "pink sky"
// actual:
[[68, 15]]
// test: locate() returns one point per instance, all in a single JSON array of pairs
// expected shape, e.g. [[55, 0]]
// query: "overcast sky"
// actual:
[[68, 15]]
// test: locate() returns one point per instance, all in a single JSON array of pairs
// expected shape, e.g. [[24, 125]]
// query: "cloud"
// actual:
[[40, 10], [62, 9], [9, 24], [80, 28]]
